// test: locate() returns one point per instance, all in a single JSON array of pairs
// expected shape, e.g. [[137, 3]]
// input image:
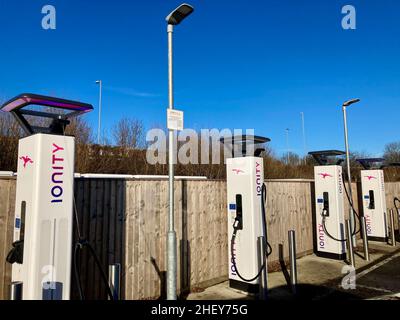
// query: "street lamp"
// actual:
[[173, 19], [303, 127], [287, 145], [100, 83], [344, 106]]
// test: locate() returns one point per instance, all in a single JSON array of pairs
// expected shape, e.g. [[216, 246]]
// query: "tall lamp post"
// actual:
[[287, 145], [173, 19], [346, 139], [303, 127], [100, 83]]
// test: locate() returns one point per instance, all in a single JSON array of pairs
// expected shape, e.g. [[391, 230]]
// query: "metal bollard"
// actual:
[[114, 279], [263, 285], [365, 237], [350, 252], [16, 291], [293, 261], [392, 233]]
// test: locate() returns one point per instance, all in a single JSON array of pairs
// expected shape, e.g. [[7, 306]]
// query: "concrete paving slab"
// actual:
[[321, 279]]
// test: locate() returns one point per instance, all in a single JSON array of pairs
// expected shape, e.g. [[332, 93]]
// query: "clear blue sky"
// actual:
[[238, 64]]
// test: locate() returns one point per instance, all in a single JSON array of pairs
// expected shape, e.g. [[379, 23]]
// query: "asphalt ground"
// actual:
[[327, 279]]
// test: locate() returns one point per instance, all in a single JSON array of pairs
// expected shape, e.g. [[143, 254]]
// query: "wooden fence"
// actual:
[[125, 221], [7, 203]]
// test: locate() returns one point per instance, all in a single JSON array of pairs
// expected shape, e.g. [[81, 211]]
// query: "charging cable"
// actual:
[[269, 248]]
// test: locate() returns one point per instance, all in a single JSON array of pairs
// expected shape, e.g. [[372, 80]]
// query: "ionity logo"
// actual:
[[237, 171], [325, 175], [26, 160]]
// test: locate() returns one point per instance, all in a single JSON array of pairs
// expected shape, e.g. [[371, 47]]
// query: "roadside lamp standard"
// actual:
[[173, 19], [346, 138], [100, 83]]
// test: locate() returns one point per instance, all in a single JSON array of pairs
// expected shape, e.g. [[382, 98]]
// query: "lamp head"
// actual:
[[350, 102], [179, 14]]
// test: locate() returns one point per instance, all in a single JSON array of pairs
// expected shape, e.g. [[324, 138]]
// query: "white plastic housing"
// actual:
[[329, 179], [245, 176], [372, 181], [45, 190]]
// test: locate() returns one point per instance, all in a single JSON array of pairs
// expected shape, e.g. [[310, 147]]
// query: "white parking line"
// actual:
[[376, 266], [374, 289]]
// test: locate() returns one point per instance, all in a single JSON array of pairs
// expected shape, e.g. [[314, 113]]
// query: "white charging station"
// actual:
[[329, 206], [245, 180], [374, 200], [41, 258], [44, 211]]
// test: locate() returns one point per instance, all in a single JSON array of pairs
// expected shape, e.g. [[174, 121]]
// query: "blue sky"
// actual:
[[238, 64]]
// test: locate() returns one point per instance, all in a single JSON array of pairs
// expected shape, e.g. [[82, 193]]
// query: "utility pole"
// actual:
[[287, 145]]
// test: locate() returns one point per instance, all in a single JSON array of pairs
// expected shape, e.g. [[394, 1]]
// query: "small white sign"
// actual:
[[174, 119]]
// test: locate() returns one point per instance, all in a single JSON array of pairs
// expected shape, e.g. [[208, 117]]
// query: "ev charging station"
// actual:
[[246, 213], [329, 206], [42, 248], [374, 200]]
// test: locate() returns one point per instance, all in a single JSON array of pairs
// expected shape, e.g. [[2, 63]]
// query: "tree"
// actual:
[[291, 158], [81, 130], [9, 127], [128, 133], [10, 132], [391, 152]]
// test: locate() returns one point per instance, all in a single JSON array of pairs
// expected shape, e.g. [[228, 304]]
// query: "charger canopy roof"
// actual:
[[321, 157], [245, 142], [369, 162], [43, 114], [241, 139]]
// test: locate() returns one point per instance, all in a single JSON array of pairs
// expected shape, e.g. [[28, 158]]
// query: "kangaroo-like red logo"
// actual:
[[324, 175], [370, 177], [26, 160], [237, 171]]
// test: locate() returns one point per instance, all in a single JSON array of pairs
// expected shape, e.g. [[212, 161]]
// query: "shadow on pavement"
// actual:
[[308, 292]]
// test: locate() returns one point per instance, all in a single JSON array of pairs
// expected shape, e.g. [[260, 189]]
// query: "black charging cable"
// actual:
[[395, 201], [79, 246], [269, 248], [82, 244], [327, 233], [354, 212]]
